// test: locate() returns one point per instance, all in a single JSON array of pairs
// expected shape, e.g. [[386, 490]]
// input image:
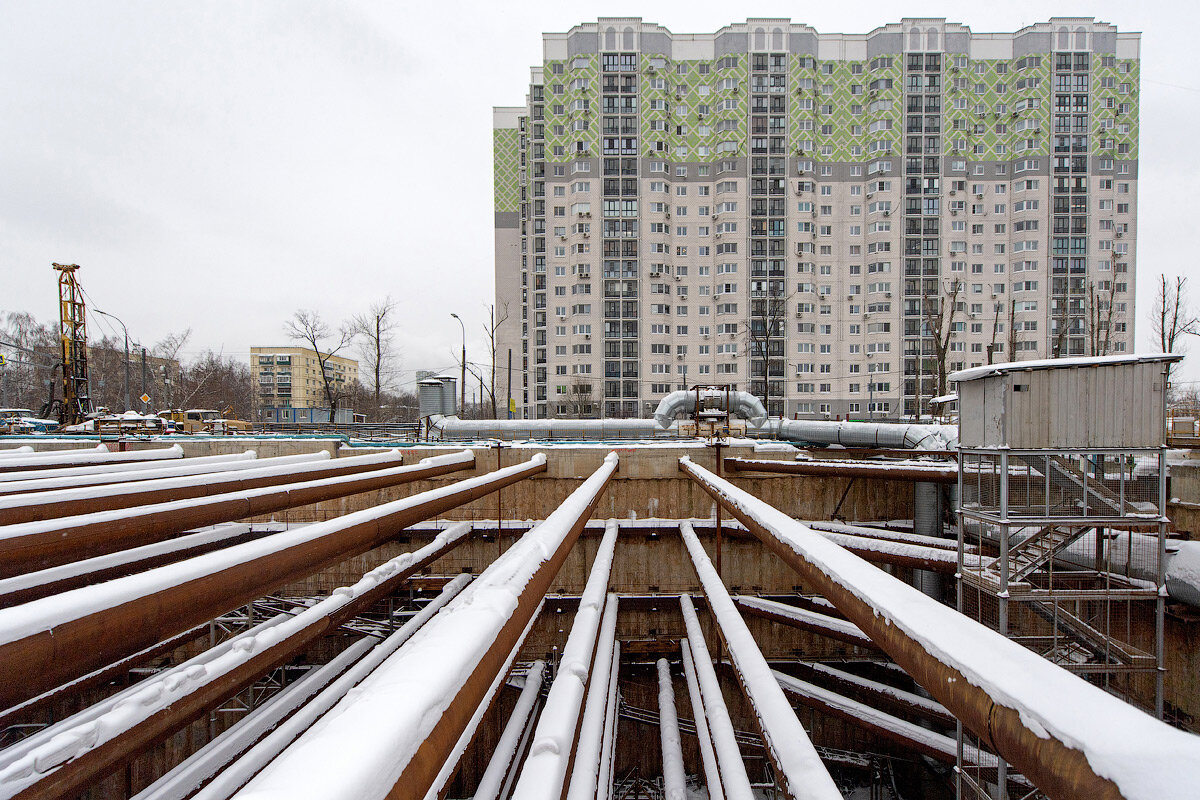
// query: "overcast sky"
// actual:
[[218, 165]]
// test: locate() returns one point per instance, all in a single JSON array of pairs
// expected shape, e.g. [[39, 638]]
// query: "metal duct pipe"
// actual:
[[90, 749], [455, 660], [187, 466], [938, 473], [1054, 727], [927, 521], [49, 641], [92, 499], [744, 404], [509, 429], [863, 434], [796, 760], [39, 545], [51, 459]]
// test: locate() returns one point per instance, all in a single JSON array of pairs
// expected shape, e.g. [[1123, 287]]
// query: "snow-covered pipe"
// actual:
[[26, 450], [131, 469], [188, 466], [428, 690], [49, 459], [708, 757], [545, 768], [612, 714], [911, 701], [744, 404], [734, 781], [802, 618], [157, 693], [586, 772], [184, 779], [1069, 737], [791, 750], [493, 779], [674, 780]]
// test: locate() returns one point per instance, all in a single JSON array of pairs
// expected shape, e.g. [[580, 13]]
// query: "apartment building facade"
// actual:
[[833, 222], [290, 386]]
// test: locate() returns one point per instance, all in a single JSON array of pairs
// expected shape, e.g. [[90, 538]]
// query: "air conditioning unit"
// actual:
[[887, 294], [679, 356], [886, 214], [979, 197], [585, 274]]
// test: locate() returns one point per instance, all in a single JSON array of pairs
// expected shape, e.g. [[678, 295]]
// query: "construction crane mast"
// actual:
[[77, 400]]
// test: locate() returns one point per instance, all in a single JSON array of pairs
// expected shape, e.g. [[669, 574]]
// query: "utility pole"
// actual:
[[128, 403], [508, 406], [144, 404], [462, 383]]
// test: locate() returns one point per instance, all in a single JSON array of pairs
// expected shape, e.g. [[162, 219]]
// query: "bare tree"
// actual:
[[940, 313], [217, 381], [1173, 316], [168, 375], [1100, 307], [765, 342], [307, 326], [376, 348], [31, 352]]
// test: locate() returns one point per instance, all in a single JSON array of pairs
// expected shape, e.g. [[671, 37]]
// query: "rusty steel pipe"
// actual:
[[1056, 767], [412, 740], [91, 500], [34, 546], [76, 775], [40, 647], [811, 622], [934, 473]]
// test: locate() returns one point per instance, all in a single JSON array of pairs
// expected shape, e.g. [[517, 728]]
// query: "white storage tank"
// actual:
[[449, 395], [429, 397]]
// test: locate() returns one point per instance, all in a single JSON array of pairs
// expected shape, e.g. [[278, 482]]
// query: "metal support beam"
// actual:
[[931, 473]]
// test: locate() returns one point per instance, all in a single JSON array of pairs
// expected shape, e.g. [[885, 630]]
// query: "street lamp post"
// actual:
[[462, 384], [128, 404]]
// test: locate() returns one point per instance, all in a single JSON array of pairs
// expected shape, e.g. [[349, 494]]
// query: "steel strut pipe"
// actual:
[[1057, 768], [708, 756], [34, 546], [40, 649], [294, 635], [75, 458], [71, 478], [93, 499], [496, 776], [412, 743], [934, 473], [811, 621]]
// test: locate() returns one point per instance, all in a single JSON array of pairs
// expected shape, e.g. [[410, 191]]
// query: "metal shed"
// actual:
[[1097, 402]]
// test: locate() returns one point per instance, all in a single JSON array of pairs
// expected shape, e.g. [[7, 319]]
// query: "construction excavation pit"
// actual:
[[654, 618]]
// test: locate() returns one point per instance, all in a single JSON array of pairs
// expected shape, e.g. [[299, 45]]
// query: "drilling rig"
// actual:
[[76, 402]]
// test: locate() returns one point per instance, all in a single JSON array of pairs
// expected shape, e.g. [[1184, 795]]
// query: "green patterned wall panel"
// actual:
[[505, 160]]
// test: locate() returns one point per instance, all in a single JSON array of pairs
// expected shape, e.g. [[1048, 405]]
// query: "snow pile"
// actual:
[[1145, 758]]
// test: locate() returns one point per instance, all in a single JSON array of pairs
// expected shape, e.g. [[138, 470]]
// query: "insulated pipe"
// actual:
[[806, 620], [862, 434], [744, 404], [38, 545], [450, 428], [48, 641], [586, 772], [184, 467], [52, 459], [712, 774], [132, 469], [504, 754], [418, 703], [734, 781], [93, 499], [791, 751], [932, 473], [16, 451], [674, 781], [76, 758], [1053, 726], [548, 764], [182, 781]]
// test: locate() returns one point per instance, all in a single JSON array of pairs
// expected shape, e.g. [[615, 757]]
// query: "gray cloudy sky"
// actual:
[[217, 165]]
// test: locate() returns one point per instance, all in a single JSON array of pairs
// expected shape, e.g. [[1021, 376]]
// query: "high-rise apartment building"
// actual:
[[831, 221]]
